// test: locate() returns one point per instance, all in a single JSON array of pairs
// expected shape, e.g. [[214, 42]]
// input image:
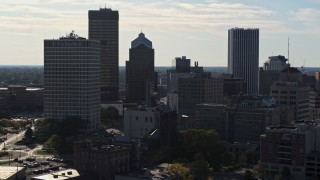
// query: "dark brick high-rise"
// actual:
[[140, 70], [104, 26]]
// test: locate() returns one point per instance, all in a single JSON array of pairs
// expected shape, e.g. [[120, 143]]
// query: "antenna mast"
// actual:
[[288, 49]]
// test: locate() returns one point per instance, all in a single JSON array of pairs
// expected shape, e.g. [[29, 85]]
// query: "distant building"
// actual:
[[104, 27], [198, 90], [233, 86], [3, 103], [72, 80], [291, 148], [314, 99], [173, 100], [182, 69], [141, 79], [173, 79], [22, 97], [12, 172], [317, 80], [138, 122], [116, 104], [266, 79], [276, 63], [292, 94], [159, 123], [104, 159], [243, 120], [181, 65], [213, 116], [243, 56]]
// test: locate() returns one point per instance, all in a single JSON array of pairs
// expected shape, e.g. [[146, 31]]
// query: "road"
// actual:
[[12, 139]]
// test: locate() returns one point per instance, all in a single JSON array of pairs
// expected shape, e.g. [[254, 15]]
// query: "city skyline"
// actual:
[[196, 29]]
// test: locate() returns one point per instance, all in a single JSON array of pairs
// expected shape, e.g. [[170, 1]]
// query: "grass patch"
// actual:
[[4, 162], [45, 152], [18, 148]]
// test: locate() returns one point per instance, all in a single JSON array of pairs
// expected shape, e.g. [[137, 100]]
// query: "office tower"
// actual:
[[270, 73], [141, 80], [181, 64], [276, 63], [266, 79], [314, 99], [243, 56], [196, 90], [243, 120], [72, 80], [292, 149], [104, 27], [213, 116], [234, 86], [292, 94]]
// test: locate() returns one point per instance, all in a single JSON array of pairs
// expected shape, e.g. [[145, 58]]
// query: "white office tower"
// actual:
[[243, 56], [72, 80]]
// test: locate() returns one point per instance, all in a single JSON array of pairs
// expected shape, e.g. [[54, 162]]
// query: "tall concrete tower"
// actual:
[[243, 56], [104, 27]]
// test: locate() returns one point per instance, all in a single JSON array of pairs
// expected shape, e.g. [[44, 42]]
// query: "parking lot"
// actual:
[[37, 166]]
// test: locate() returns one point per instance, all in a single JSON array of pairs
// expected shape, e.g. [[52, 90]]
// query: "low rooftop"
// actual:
[[7, 171], [61, 175]]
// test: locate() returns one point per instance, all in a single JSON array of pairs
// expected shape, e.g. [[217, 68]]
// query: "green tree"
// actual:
[[248, 175], [206, 142], [45, 128], [109, 114], [56, 142], [29, 133], [201, 167], [179, 171]]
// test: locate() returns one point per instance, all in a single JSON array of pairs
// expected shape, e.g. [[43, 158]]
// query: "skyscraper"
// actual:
[[140, 76], [72, 80], [243, 56], [104, 27]]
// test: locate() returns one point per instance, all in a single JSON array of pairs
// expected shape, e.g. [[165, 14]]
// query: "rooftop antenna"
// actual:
[[288, 49]]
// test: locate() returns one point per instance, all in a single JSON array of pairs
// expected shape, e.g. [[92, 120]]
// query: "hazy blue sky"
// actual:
[[194, 28]]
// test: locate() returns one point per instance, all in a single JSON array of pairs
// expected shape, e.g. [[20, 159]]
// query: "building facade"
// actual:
[[72, 80], [173, 100], [243, 56], [104, 27], [212, 116], [266, 79], [197, 90], [181, 64], [22, 98], [138, 122], [292, 94], [104, 159], [141, 79], [157, 123], [293, 148], [233, 86], [276, 63]]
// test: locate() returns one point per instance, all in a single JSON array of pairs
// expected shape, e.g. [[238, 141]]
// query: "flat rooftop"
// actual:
[[61, 175], [8, 171]]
